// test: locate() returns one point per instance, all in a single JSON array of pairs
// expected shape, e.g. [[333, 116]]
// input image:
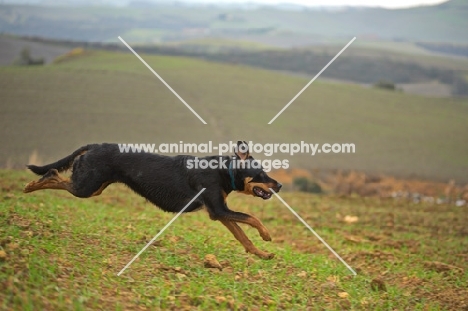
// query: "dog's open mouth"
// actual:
[[259, 192]]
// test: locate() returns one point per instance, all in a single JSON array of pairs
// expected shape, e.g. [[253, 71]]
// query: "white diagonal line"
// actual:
[[316, 76], [162, 80], [160, 232], [315, 233]]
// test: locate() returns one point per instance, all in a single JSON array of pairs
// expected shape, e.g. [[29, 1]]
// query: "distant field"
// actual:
[[103, 96], [11, 48], [58, 252], [406, 52], [269, 25], [219, 44], [364, 62]]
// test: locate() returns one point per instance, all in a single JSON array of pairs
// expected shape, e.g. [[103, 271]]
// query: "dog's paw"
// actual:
[[259, 253], [265, 235], [266, 256], [29, 187]]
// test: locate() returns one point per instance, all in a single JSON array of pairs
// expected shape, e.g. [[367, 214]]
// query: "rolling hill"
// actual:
[[111, 97], [12, 47], [265, 24]]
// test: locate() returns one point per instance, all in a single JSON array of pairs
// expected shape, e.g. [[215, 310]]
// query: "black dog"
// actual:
[[167, 182]]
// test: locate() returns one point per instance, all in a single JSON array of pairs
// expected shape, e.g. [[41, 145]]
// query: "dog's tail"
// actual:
[[60, 165]]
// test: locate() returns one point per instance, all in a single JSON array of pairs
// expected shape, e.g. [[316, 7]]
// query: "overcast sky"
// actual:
[[381, 3], [374, 3]]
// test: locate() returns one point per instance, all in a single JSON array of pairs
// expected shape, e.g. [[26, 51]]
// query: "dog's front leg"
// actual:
[[246, 219], [244, 240], [218, 210]]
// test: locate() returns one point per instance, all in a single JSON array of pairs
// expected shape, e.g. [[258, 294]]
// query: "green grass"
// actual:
[[64, 253], [214, 45], [112, 97]]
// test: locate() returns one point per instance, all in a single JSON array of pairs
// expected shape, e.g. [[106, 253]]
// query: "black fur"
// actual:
[[60, 165]]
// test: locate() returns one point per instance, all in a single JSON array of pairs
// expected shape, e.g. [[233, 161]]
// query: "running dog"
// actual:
[[167, 182]]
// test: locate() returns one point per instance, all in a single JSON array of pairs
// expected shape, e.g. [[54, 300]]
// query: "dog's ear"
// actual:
[[242, 151]]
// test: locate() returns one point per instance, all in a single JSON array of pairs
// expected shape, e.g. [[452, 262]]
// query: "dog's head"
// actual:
[[251, 175]]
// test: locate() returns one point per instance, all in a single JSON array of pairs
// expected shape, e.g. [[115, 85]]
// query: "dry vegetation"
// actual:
[[348, 183]]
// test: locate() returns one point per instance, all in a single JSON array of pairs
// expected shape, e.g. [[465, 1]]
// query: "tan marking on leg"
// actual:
[[244, 240], [257, 224], [253, 222], [50, 181], [101, 189]]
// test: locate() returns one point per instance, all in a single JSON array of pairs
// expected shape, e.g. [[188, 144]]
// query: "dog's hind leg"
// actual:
[[78, 186], [50, 180], [101, 189], [244, 240]]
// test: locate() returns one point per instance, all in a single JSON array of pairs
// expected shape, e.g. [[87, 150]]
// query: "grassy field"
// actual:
[[58, 252], [111, 97], [12, 47], [405, 52]]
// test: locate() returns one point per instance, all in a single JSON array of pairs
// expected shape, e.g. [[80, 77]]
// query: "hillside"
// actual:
[[112, 97], [409, 67], [58, 252], [270, 25], [12, 47]]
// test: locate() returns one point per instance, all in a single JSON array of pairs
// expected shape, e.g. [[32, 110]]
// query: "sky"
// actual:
[[312, 3], [379, 3]]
